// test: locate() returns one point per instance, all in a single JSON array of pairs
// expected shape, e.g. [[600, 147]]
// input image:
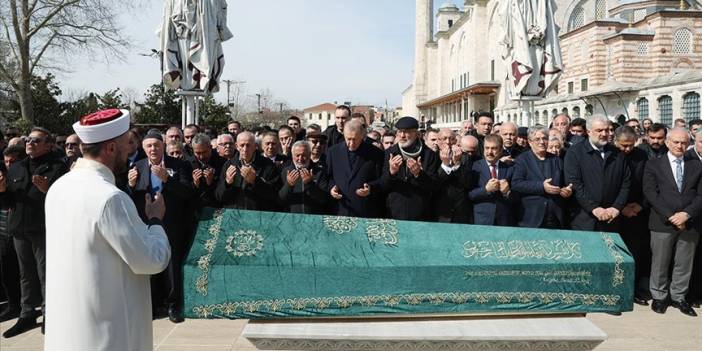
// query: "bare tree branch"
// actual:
[[55, 11], [9, 39], [41, 53]]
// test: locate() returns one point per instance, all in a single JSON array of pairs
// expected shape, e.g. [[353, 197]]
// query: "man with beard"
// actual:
[[100, 253], [451, 204], [655, 147], [335, 133], [492, 198], [510, 150], [226, 147], [318, 142], [234, 128], [23, 189], [303, 187], [207, 167], [270, 146], [538, 179], [467, 128], [72, 147], [601, 179], [409, 174], [188, 133], [250, 181], [634, 228], [673, 187], [353, 172], [160, 173], [388, 140], [296, 126]]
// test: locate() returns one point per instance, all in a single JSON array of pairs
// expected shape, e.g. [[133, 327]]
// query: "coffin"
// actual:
[[263, 265]]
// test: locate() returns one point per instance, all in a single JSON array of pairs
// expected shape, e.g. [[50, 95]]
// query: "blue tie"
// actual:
[[679, 174]]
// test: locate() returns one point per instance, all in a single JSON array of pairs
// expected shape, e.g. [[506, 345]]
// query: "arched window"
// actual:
[[554, 113], [577, 19], [682, 41], [691, 106], [537, 117], [665, 110], [600, 9], [544, 118], [565, 111], [642, 106], [588, 110], [576, 112]]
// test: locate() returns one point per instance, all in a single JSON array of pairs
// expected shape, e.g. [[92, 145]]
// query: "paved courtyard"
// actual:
[[641, 330]]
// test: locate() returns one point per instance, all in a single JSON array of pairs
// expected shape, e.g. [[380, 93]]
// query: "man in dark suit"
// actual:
[[335, 133], [600, 177], [23, 190], [304, 187], [510, 149], [354, 170], [673, 186], [655, 146], [451, 203], [539, 181], [492, 196], [695, 153], [249, 181], [318, 142], [634, 218], [409, 174], [207, 168], [483, 127], [159, 173]]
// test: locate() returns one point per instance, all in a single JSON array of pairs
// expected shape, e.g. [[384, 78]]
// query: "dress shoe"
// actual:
[[684, 307], [22, 325], [174, 315], [9, 313], [659, 306], [640, 301]]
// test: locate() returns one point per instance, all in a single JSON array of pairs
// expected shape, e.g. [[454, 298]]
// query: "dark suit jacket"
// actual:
[[662, 193], [204, 194], [596, 183], [366, 169], [528, 181], [24, 200], [451, 199], [410, 198], [304, 198], [261, 196], [492, 208], [333, 136]]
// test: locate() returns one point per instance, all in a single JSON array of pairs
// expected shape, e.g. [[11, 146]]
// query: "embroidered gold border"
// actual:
[[203, 263], [618, 274], [229, 309]]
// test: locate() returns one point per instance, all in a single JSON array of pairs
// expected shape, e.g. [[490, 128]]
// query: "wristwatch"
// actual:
[[154, 221]]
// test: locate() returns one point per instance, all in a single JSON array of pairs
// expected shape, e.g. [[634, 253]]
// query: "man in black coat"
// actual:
[[673, 186], [601, 179], [304, 186], [207, 167], [491, 193], [409, 174], [634, 218], [354, 170], [335, 133], [23, 190], [451, 203], [655, 146], [249, 181], [159, 173], [695, 153], [539, 181]]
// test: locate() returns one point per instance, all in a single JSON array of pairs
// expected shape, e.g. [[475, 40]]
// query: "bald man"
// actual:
[[248, 181], [510, 148]]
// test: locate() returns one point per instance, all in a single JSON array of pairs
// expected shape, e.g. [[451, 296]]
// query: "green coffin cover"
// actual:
[[250, 264]]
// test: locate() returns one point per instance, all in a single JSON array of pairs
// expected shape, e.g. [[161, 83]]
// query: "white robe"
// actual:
[[99, 255]]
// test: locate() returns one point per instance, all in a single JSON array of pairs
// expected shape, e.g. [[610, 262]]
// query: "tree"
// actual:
[[35, 29], [213, 114], [111, 99], [160, 107]]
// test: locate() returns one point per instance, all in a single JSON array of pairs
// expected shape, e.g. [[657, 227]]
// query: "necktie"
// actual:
[[493, 172], [679, 174]]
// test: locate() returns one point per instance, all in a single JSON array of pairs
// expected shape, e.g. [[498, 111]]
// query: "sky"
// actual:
[[306, 52]]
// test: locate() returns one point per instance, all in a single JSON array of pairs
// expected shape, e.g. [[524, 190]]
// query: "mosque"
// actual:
[[621, 58]]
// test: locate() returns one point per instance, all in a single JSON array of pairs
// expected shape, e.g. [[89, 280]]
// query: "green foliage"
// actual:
[[160, 107], [49, 112], [213, 114]]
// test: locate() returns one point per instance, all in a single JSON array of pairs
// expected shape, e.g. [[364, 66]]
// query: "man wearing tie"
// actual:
[[673, 186], [491, 195]]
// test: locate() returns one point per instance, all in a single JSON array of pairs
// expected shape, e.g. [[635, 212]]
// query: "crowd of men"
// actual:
[[642, 180]]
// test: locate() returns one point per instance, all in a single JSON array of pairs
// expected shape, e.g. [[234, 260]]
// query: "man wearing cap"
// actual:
[[409, 174], [99, 252], [23, 190], [318, 141], [160, 173]]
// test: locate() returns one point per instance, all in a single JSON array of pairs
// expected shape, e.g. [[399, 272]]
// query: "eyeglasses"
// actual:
[[35, 140]]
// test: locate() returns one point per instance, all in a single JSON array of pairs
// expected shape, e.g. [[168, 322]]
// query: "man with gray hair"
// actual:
[[302, 190], [600, 177], [206, 166]]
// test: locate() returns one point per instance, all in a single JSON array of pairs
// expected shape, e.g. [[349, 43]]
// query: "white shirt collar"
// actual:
[[672, 158]]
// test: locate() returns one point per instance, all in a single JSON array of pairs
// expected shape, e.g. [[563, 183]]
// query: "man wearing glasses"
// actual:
[[23, 189], [72, 149]]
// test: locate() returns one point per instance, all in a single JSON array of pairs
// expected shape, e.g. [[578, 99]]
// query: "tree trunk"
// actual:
[[24, 94]]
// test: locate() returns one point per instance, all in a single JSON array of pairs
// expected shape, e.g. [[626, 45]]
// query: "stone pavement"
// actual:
[[641, 330]]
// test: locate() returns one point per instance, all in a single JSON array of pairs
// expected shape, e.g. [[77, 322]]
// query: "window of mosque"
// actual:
[[600, 9], [642, 48], [577, 18], [583, 84], [682, 41], [570, 87], [642, 106], [576, 112], [588, 110], [665, 110], [492, 70], [691, 106]]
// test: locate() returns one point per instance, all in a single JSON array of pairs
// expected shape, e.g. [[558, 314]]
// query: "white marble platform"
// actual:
[[485, 333]]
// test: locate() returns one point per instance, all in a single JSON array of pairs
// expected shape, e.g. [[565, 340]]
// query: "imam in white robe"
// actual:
[[99, 256]]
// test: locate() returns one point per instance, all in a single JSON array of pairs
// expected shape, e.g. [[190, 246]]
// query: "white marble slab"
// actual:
[[513, 333]]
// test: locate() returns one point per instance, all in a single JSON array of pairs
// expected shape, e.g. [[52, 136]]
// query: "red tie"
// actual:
[[493, 171]]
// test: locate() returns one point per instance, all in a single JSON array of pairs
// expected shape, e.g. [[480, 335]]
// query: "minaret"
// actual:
[[425, 33]]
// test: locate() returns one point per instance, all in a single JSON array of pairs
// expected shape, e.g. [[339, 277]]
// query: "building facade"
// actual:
[[622, 58]]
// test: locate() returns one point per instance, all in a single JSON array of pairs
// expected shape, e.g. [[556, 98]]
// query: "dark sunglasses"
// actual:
[[35, 140]]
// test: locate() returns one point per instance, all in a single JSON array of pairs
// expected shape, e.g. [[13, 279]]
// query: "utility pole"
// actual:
[[281, 107], [229, 82], [259, 103]]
